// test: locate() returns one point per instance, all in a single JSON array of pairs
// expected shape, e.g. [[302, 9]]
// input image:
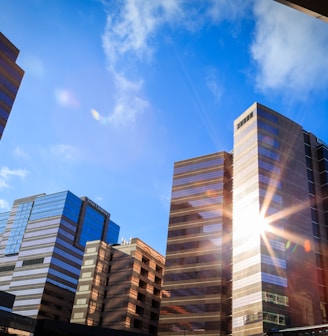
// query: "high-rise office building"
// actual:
[[42, 241], [279, 230], [120, 287], [10, 79], [197, 281]]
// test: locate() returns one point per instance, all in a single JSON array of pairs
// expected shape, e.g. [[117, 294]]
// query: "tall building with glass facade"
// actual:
[[279, 224], [42, 240], [197, 281], [10, 79], [277, 258]]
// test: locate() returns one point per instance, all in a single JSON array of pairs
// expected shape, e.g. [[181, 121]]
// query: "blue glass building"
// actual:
[[10, 79], [42, 242]]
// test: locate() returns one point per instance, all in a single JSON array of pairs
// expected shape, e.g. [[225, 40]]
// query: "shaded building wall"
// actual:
[[196, 292], [11, 76]]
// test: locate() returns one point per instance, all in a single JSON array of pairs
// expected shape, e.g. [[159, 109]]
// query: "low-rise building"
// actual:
[[120, 286]]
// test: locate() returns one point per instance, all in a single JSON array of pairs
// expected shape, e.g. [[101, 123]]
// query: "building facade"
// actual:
[[42, 241], [278, 238], [197, 281], [278, 251], [10, 79], [120, 287]]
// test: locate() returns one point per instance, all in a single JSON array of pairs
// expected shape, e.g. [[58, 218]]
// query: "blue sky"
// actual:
[[115, 92]]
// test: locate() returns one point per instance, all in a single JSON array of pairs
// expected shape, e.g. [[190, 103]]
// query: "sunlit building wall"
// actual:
[[42, 240], [10, 79], [120, 287], [197, 280], [275, 252]]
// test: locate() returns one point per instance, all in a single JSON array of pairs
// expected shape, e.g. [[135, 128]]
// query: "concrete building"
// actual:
[[10, 79], [197, 282], [42, 241], [279, 233], [120, 287]]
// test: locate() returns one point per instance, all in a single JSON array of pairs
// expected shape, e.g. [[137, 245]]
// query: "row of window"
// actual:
[[11, 69], [199, 177], [244, 121], [195, 229], [275, 298], [187, 327], [194, 291], [199, 259], [191, 308], [199, 165], [199, 275], [195, 245], [202, 189]]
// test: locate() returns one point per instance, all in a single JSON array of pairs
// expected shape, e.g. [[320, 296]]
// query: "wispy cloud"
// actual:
[[65, 152], [4, 205], [214, 84], [6, 174], [20, 153], [126, 41], [131, 25], [290, 50], [129, 104]]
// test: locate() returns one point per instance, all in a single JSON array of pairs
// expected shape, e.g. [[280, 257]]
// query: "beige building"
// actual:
[[120, 286]]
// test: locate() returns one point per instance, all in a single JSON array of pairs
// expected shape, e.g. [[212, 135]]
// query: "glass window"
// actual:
[[269, 153], [197, 190], [18, 228], [266, 127], [92, 226], [198, 165]]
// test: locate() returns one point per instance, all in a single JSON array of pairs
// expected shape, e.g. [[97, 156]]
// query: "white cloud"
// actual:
[[130, 37], [20, 153], [214, 85], [6, 174], [65, 152], [4, 205], [130, 25], [129, 103], [290, 50]]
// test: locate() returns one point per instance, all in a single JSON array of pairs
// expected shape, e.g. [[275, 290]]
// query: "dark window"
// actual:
[[308, 151], [155, 304], [156, 291], [33, 261], [139, 310], [141, 297], [137, 323], [154, 316], [145, 260], [7, 268], [143, 272], [142, 284]]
